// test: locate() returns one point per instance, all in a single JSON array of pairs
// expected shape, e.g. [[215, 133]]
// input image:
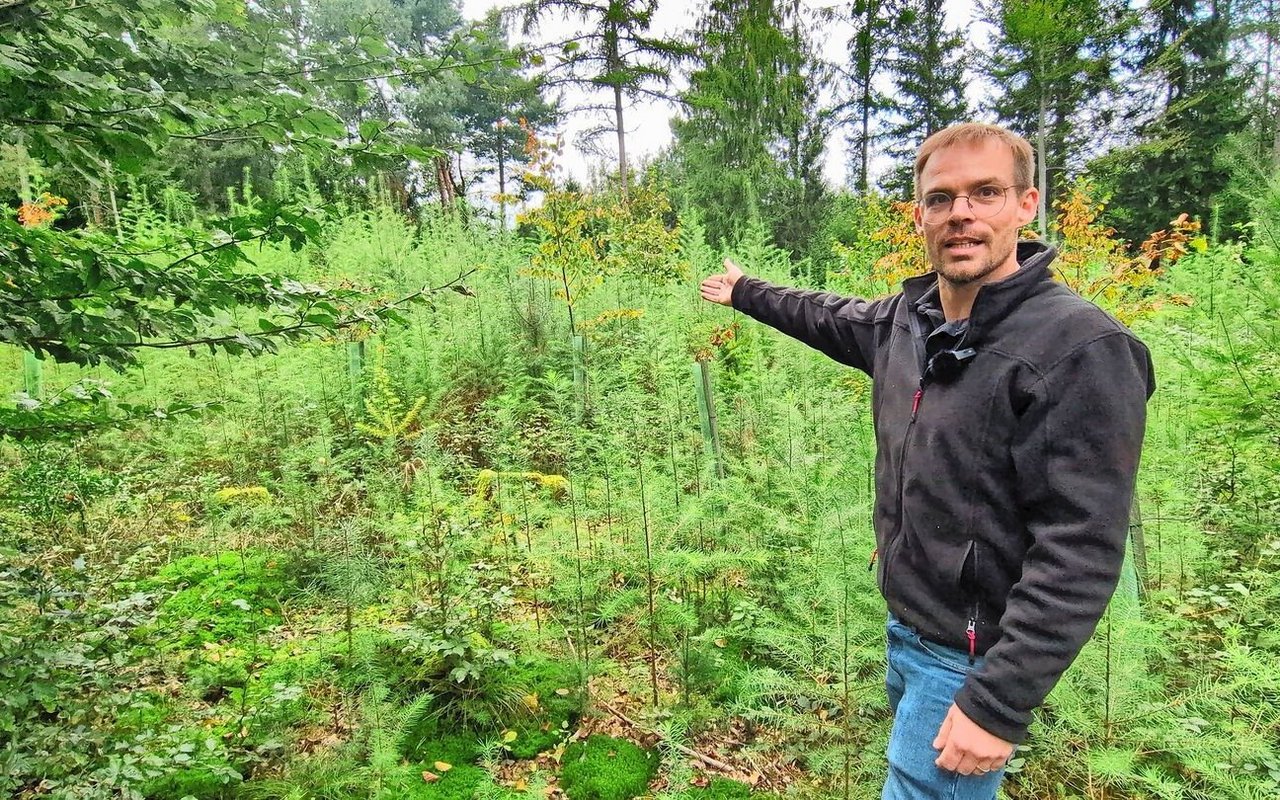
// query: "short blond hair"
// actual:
[[1024, 158]]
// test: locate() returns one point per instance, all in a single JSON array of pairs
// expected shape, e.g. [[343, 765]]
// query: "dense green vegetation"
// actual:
[[321, 479]]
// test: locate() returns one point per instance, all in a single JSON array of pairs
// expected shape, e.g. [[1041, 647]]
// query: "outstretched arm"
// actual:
[[841, 327]]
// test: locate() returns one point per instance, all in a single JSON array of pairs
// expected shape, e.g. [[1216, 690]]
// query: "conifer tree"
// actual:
[[1258, 42], [1048, 59], [616, 52], [870, 48], [754, 132], [1174, 166], [928, 76]]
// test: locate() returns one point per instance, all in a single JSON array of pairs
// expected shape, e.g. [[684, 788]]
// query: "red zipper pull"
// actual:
[[872, 562], [915, 402], [972, 633]]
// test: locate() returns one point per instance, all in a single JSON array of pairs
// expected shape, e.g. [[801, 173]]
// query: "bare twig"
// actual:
[[707, 760]]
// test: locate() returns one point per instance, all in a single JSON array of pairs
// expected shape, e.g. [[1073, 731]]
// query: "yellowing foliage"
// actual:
[[391, 420], [243, 495], [1091, 260], [42, 212], [906, 257], [586, 237], [1094, 263]]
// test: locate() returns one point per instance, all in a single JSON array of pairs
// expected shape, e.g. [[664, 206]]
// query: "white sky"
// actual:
[[648, 122]]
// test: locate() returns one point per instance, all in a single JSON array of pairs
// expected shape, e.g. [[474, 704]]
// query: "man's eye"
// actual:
[[988, 192], [937, 200]]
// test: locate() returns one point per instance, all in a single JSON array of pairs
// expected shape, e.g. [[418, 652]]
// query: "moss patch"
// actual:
[[221, 598], [552, 694], [457, 783], [605, 768]]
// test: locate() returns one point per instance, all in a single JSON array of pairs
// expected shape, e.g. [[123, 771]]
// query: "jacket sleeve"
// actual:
[[1075, 455], [841, 327]]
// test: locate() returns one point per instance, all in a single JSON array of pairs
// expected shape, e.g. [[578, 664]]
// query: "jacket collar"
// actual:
[[994, 300]]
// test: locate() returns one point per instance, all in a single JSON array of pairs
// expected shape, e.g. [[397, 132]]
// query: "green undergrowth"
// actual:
[[553, 695], [718, 789], [605, 768], [200, 783], [224, 597], [457, 783], [531, 706]]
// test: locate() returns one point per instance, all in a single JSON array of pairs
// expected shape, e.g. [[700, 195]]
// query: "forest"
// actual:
[[356, 444]]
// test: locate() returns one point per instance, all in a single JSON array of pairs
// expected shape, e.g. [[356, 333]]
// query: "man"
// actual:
[[1009, 416]]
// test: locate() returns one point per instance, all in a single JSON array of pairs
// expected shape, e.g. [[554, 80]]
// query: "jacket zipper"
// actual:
[[971, 633], [970, 630], [917, 345]]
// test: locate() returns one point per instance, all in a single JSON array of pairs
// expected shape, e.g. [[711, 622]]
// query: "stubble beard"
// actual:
[[965, 275]]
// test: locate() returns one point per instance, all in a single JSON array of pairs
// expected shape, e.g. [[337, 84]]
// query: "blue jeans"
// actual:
[[922, 680]]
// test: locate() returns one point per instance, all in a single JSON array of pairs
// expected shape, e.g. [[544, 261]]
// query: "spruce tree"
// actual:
[[616, 53], [870, 48], [751, 140], [1174, 166], [1051, 57], [928, 76]]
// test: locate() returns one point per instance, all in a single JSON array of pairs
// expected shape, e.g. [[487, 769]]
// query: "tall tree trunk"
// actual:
[[1271, 105], [444, 182], [1041, 169], [502, 184], [865, 145], [613, 63], [622, 140]]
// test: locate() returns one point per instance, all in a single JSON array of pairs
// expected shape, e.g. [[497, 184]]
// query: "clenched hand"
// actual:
[[968, 749], [719, 288]]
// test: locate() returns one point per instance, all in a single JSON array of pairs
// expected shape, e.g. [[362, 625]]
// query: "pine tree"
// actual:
[[928, 75], [1049, 58], [753, 135], [869, 50], [1174, 166]]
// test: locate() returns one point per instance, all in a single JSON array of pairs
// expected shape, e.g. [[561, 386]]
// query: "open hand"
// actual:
[[719, 288], [968, 749]]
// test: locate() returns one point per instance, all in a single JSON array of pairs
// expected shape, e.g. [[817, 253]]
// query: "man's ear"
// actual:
[[1028, 206], [915, 215]]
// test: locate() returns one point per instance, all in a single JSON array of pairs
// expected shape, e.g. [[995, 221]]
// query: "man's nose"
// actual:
[[962, 211]]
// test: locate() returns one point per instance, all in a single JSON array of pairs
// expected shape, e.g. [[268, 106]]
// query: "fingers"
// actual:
[[962, 762], [713, 289], [950, 758], [944, 733], [717, 289], [732, 269], [968, 765]]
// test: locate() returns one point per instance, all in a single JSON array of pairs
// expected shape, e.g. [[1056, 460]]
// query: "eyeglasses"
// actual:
[[985, 201]]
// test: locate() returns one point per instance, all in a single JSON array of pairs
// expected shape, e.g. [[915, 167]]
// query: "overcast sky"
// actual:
[[648, 122]]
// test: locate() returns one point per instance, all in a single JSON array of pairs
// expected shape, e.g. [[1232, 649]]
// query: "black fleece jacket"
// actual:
[[1003, 485]]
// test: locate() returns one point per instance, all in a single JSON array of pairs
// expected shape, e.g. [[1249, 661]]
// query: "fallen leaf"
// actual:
[[443, 766], [509, 737], [562, 692], [430, 777]]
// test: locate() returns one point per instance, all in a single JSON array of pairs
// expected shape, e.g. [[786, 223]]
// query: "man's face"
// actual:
[[964, 247]]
